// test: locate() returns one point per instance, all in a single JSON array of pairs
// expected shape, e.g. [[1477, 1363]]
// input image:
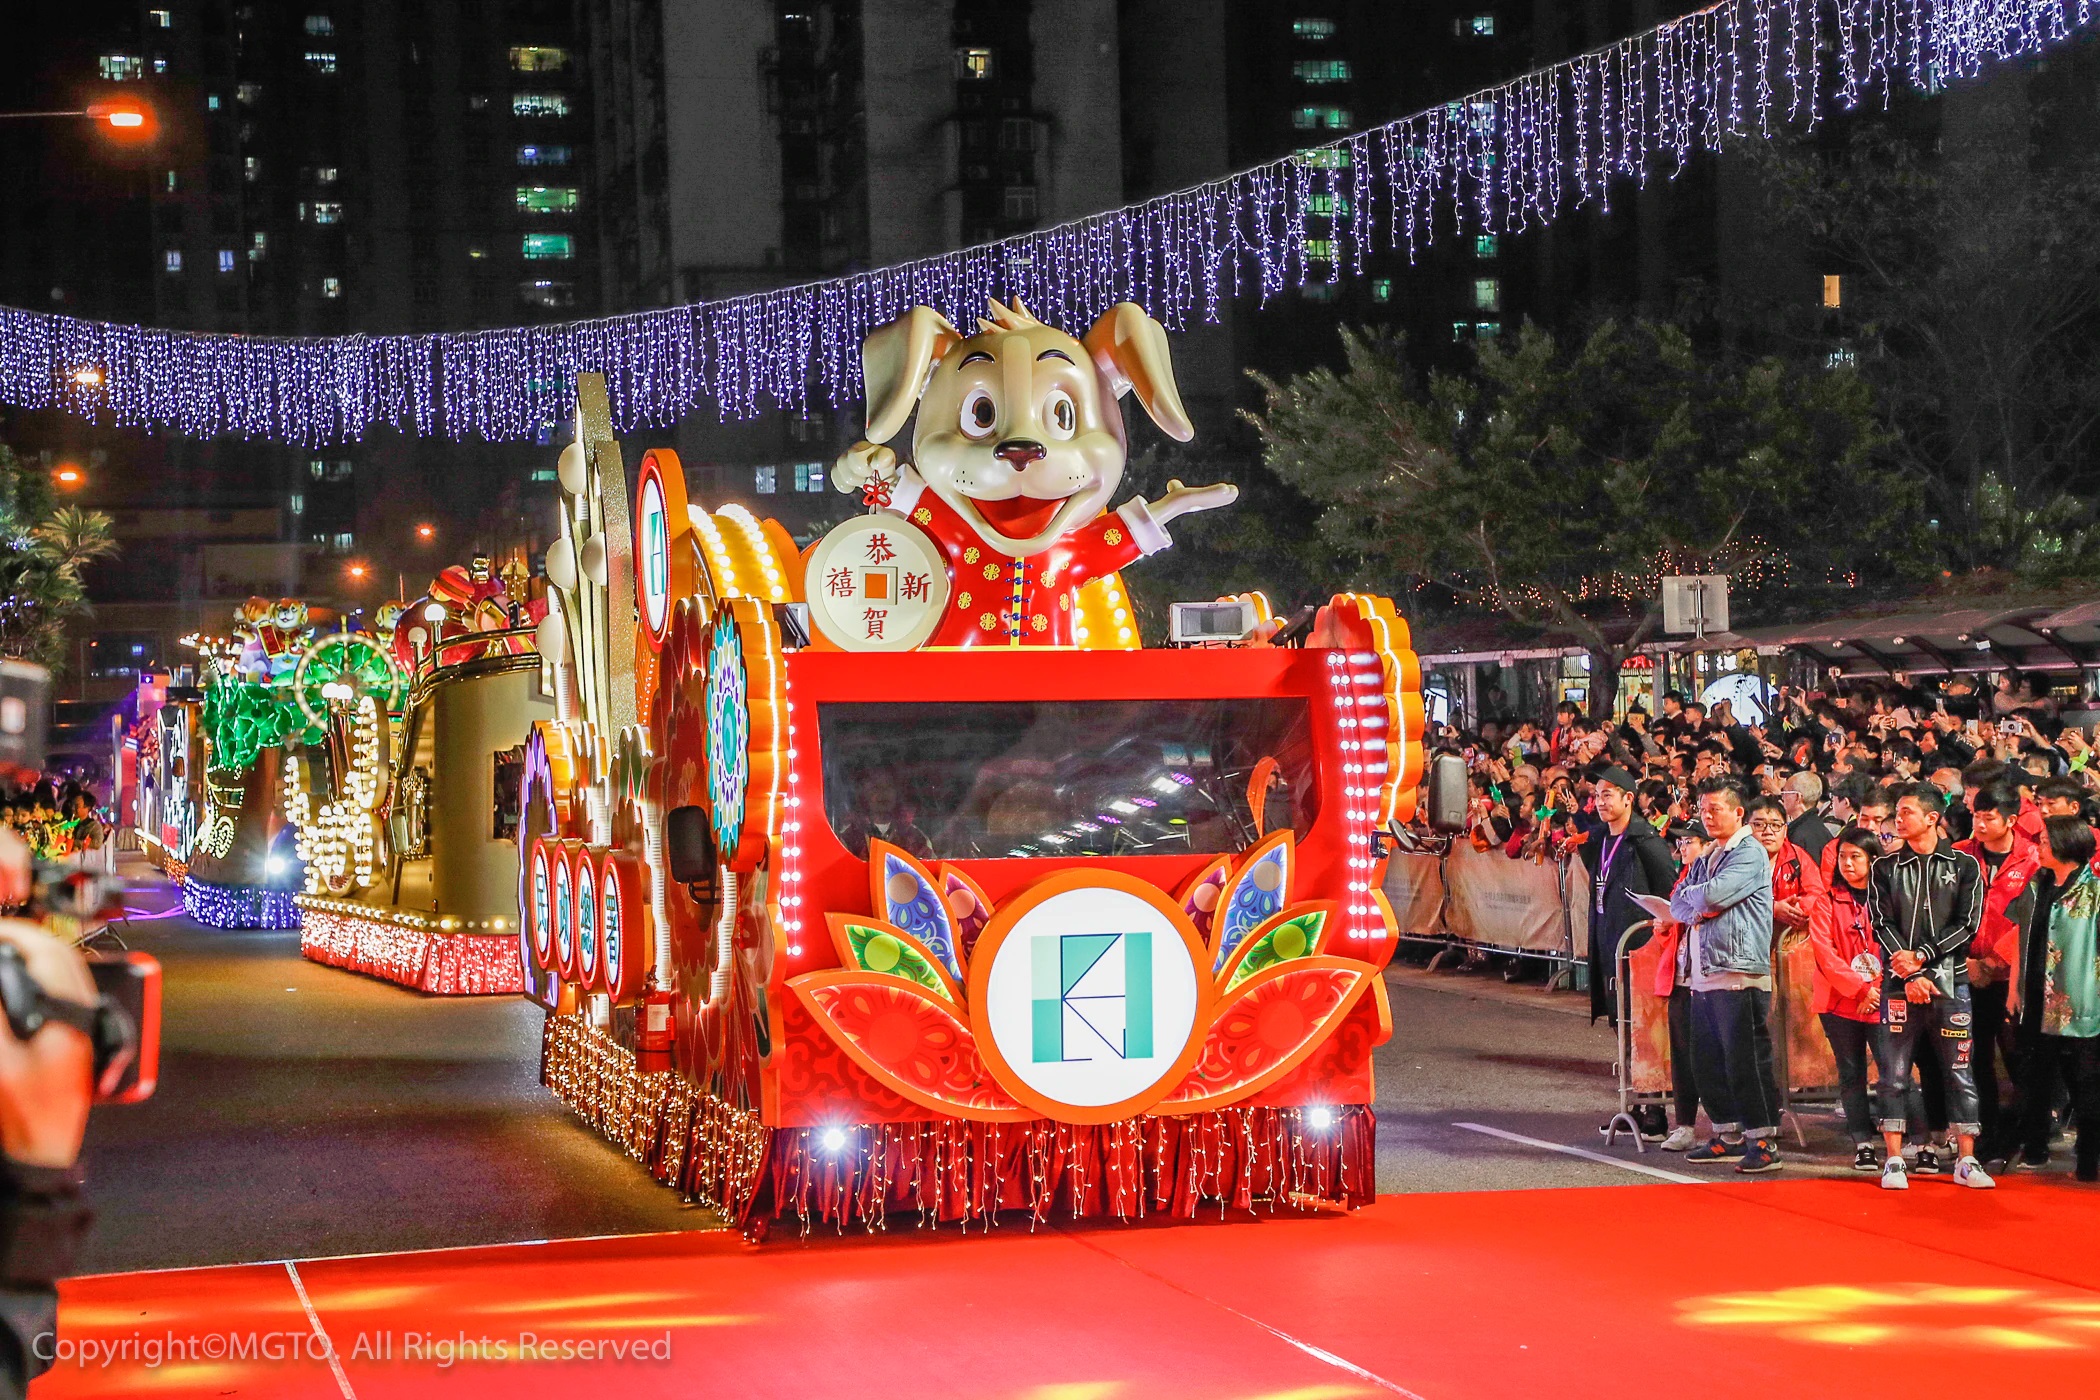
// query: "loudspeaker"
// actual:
[[1445, 794], [689, 846]]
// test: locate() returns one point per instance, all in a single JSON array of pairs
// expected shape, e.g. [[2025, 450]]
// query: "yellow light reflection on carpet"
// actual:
[[1961, 1316]]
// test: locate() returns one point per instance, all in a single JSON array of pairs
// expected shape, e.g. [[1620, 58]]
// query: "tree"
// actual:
[[43, 548], [1971, 286], [1558, 484]]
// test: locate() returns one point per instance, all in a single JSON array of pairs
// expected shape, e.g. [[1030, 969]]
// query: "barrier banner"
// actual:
[[1801, 1050], [1503, 902], [1414, 886], [1650, 1021]]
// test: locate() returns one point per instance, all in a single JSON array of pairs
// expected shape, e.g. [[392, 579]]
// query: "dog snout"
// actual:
[[1019, 452]]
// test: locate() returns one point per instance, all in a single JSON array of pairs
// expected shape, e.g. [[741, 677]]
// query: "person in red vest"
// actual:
[[2009, 862]]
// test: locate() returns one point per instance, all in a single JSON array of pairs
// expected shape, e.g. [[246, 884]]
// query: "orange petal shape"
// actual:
[[1267, 1027], [908, 1039]]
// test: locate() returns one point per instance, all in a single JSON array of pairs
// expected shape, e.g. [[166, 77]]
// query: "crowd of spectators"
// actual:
[[1935, 848], [55, 819]]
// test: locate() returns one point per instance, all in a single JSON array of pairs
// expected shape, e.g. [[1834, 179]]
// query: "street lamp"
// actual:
[[67, 476], [426, 532], [129, 117], [358, 572]]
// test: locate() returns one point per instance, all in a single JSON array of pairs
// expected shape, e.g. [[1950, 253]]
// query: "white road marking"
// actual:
[[335, 1363], [1656, 1172]]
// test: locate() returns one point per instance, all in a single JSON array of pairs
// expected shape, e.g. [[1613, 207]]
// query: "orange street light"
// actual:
[[426, 532], [88, 376], [68, 477], [358, 572]]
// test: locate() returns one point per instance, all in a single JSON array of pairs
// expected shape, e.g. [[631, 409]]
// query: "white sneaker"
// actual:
[[1680, 1140], [1894, 1177], [1969, 1172]]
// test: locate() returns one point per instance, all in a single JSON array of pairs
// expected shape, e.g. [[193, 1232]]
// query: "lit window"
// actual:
[[545, 474], [162, 19], [765, 480], [251, 169], [1487, 330], [1486, 245], [1314, 29], [1020, 202], [122, 67], [549, 294], [1487, 293], [1482, 116], [160, 65], [1326, 158], [340, 469], [331, 287], [545, 199], [227, 261], [248, 93], [325, 174], [1317, 291], [1483, 26], [1461, 329], [344, 541], [1381, 289], [320, 25], [258, 248], [543, 155], [1833, 290], [1321, 118], [549, 246], [211, 102], [297, 502], [1842, 358], [1321, 70], [171, 182], [1328, 206], [973, 65], [321, 60], [327, 211], [1319, 249], [539, 104], [173, 260], [534, 58], [317, 467], [809, 476]]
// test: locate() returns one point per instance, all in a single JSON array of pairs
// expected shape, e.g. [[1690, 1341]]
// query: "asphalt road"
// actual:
[[304, 1111]]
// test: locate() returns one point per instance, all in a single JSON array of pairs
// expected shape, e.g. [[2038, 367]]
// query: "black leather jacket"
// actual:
[[1930, 904]]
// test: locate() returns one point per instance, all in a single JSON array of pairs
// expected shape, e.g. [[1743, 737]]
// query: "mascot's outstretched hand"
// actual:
[[1187, 500]]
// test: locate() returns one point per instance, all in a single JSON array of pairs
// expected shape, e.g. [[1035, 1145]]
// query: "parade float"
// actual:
[[406, 799], [894, 876], [240, 868], [167, 742]]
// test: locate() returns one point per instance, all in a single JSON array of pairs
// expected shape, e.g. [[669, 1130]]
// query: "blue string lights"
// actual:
[[1498, 161]]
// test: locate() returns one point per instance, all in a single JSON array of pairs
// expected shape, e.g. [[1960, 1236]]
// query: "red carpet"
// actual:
[[1792, 1289]]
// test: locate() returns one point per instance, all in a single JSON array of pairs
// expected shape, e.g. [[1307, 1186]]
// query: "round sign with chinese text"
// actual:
[[876, 583]]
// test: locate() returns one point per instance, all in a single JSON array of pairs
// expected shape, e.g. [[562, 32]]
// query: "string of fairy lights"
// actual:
[[1500, 160]]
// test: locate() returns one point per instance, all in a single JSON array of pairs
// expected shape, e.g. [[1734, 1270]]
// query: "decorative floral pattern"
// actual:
[[879, 947], [1267, 1028], [1291, 934], [1256, 893], [906, 894], [728, 733], [912, 1041]]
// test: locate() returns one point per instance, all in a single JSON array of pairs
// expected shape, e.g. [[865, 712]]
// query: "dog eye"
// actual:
[[979, 414], [1062, 417]]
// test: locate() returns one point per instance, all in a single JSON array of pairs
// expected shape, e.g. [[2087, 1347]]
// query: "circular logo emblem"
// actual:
[[1086, 994], [728, 732], [877, 583]]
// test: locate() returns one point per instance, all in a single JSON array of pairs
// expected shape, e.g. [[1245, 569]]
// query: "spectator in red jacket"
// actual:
[[1846, 985], [1797, 884], [2009, 862]]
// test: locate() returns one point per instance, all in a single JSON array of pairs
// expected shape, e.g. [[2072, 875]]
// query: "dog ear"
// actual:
[[1131, 350], [894, 362]]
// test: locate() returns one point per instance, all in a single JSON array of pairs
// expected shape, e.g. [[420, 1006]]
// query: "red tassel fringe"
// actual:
[[954, 1170]]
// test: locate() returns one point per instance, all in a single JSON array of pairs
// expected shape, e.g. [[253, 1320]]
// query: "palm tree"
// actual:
[[43, 548]]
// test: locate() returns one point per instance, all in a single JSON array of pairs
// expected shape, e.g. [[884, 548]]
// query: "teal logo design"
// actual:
[[1091, 994]]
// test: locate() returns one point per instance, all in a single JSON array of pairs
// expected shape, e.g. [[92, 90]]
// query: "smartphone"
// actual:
[[131, 982]]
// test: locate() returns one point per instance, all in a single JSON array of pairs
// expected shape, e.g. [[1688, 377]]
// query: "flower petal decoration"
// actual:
[[909, 1040], [1199, 898], [1255, 894], [1267, 1027], [968, 906], [1298, 932], [904, 893], [883, 948]]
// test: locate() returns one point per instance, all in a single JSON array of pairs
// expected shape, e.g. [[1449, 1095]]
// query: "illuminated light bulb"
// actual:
[[834, 1140], [1319, 1119]]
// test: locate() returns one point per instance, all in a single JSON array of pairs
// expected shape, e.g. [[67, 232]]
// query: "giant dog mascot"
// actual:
[[1018, 447]]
